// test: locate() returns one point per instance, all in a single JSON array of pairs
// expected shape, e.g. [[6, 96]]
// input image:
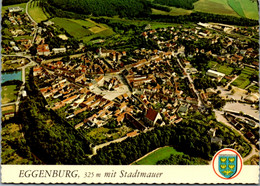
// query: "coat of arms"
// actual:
[[227, 165]]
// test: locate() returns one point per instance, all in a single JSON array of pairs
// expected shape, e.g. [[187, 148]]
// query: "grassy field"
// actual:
[[160, 154], [36, 12], [212, 64], [220, 68], [225, 69], [23, 37], [250, 9], [237, 7], [72, 27], [85, 30], [214, 6], [174, 11], [85, 23], [243, 79], [8, 94], [5, 8]]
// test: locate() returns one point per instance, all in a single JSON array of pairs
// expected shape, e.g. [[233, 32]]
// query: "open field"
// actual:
[[237, 7], [225, 69], [174, 11], [243, 79], [214, 6], [160, 154], [9, 94], [36, 12], [73, 28], [85, 30], [5, 8], [23, 37], [220, 68], [85, 23], [250, 9]]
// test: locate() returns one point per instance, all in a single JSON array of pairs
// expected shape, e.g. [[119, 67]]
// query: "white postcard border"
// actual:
[[166, 174]]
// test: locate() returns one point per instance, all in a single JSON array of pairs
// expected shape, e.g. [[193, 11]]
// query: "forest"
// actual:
[[203, 17], [179, 159], [190, 136], [185, 4], [49, 137], [12, 2], [159, 7], [126, 8]]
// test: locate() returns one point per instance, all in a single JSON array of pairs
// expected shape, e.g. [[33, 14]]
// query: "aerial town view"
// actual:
[[129, 82]]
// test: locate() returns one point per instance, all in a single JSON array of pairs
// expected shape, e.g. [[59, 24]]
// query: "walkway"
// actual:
[[106, 144]]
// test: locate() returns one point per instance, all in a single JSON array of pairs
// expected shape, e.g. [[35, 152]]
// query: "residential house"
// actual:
[[152, 117], [43, 49]]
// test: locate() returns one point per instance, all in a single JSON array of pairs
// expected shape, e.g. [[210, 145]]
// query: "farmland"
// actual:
[[243, 8], [237, 7], [36, 12], [243, 79], [85, 30], [9, 94], [215, 7], [72, 27], [174, 11], [221, 68], [160, 154], [250, 8]]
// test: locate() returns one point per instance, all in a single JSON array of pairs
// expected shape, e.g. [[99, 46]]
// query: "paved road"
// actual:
[[221, 118]]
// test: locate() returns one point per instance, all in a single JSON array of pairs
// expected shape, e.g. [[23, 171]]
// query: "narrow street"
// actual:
[[200, 103]]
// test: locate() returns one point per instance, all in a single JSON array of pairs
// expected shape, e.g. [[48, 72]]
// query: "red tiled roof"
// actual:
[[151, 114]]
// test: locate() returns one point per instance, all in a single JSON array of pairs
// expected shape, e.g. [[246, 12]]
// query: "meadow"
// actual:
[[215, 7], [174, 11], [9, 94], [84, 30], [243, 8], [36, 12], [236, 6], [250, 8], [74, 28], [160, 154]]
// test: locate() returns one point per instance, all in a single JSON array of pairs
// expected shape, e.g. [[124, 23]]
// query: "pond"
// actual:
[[13, 75]]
